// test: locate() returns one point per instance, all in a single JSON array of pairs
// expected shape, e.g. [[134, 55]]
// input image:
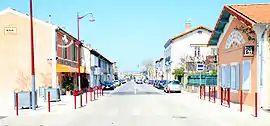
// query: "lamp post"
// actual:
[[79, 43], [32, 57]]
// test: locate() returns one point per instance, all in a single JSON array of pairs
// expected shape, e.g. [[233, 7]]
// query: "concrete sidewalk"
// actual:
[[248, 110]]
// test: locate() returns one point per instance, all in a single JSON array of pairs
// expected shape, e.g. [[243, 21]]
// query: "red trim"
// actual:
[[235, 13]]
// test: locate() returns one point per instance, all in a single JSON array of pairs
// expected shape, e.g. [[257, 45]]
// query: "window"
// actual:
[[76, 52], [246, 75], [235, 76], [64, 50], [199, 32], [197, 51], [73, 52]]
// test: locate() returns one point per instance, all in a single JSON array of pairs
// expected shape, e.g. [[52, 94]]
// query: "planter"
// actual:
[[54, 94], [63, 91], [24, 99], [41, 91]]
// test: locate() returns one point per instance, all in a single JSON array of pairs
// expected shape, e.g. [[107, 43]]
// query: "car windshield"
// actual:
[[175, 82], [163, 81]]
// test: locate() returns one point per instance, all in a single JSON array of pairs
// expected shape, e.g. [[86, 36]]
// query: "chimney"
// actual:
[[188, 24], [49, 21]]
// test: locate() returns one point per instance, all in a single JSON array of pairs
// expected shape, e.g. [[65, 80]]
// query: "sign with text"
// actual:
[[200, 67], [248, 51]]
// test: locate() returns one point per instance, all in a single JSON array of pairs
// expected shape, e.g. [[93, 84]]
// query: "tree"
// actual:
[[179, 72], [147, 65]]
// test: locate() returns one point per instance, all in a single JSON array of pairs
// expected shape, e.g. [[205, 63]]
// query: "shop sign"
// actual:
[[67, 63], [248, 51]]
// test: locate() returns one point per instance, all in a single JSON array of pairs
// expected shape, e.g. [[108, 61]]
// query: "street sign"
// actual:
[[200, 67]]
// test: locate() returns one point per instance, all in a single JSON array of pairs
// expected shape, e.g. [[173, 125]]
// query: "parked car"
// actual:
[[150, 81], [173, 86], [139, 81], [108, 85], [116, 83], [123, 81], [162, 84], [156, 82]]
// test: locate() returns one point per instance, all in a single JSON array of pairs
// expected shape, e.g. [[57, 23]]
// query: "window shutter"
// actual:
[[232, 77], [237, 77], [246, 74], [63, 49], [72, 52], [228, 77], [220, 76]]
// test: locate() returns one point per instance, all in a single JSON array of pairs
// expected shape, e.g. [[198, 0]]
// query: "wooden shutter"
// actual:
[[237, 77], [246, 75]]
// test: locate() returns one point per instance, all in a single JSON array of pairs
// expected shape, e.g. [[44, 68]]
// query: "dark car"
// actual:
[[108, 85], [150, 81], [162, 84]]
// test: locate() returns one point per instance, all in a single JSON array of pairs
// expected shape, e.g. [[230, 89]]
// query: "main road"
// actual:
[[140, 105]]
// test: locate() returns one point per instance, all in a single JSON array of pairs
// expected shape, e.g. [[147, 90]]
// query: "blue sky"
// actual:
[[127, 31]]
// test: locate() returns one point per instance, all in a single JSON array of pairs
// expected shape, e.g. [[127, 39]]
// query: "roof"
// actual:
[[97, 54], [18, 13], [185, 33], [250, 14], [260, 13]]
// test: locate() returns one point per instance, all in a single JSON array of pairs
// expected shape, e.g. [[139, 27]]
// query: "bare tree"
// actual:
[[148, 66]]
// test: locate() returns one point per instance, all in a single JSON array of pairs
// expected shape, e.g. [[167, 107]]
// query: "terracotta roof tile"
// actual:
[[260, 13]]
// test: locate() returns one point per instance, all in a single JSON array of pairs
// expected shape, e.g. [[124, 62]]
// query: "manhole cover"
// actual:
[[1, 117], [179, 117]]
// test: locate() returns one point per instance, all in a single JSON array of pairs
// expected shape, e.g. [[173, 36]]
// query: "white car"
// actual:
[[173, 86]]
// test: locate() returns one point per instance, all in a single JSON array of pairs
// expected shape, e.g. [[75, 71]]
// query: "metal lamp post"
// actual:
[[32, 57], [79, 43]]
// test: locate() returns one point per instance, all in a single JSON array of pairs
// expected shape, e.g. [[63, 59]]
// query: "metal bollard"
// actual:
[[74, 100], [94, 90], [209, 92], [204, 92], [90, 94], [229, 97], [49, 101], [86, 95], [221, 95], [17, 104], [214, 94], [169, 90], [241, 100], [256, 104], [200, 92]]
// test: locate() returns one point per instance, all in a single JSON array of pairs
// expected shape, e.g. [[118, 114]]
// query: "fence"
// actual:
[[205, 80]]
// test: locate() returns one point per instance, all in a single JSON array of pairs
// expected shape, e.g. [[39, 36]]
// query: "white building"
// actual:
[[185, 45]]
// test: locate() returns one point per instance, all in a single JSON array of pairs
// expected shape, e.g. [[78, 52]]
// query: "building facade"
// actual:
[[243, 41], [179, 47]]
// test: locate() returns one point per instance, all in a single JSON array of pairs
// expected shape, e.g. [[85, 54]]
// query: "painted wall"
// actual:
[[181, 48], [235, 54], [16, 57], [15, 49]]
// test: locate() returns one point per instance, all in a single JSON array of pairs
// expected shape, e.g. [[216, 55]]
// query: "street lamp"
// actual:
[[32, 57], [79, 43]]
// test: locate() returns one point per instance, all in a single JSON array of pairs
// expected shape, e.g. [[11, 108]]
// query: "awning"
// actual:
[[62, 68]]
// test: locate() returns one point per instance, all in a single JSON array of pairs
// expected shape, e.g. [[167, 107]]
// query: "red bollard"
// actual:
[[49, 101], [221, 95], [229, 97], [169, 90], [200, 92], [74, 100], [214, 94], [209, 93], [86, 95], [256, 104], [81, 99], [97, 91], [91, 90], [204, 92], [17, 104], [102, 91], [94, 90], [241, 100]]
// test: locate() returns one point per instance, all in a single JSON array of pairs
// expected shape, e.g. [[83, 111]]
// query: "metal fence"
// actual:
[[205, 80]]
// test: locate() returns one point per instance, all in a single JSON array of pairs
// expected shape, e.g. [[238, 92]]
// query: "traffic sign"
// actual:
[[200, 67]]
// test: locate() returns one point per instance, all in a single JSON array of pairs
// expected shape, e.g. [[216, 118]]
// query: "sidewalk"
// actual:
[[65, 105], [248, 110]]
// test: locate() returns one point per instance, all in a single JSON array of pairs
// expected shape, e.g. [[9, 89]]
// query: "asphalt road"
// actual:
[[140, 105]]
